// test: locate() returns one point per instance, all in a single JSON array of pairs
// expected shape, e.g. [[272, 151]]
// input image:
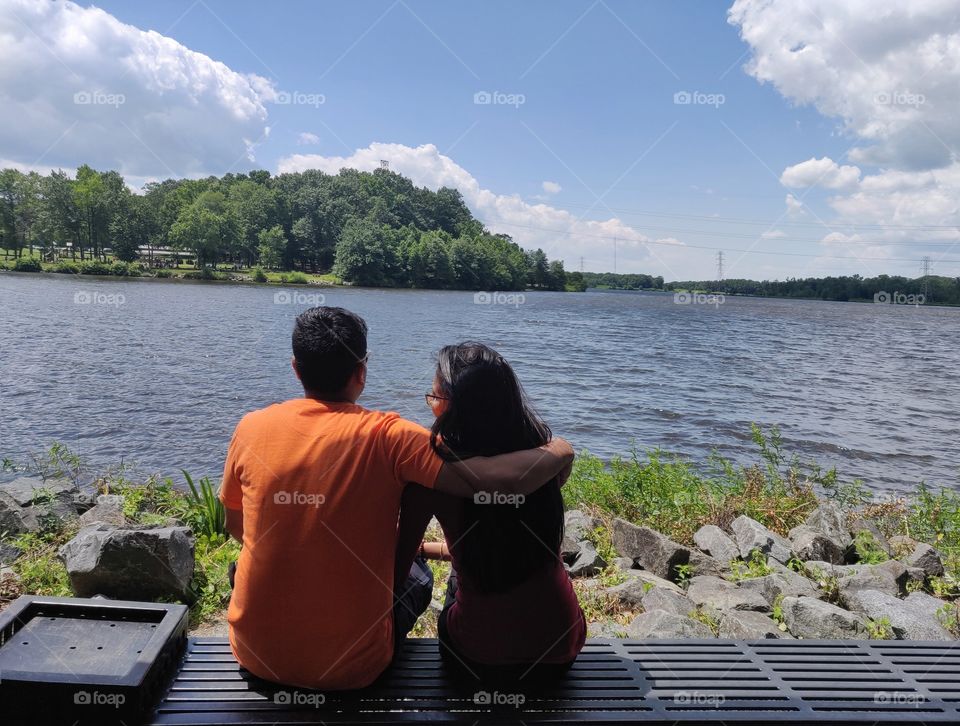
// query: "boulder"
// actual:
[[83, 501], [106, 512], [611, 631], [716, 543], [926, 558], [773, 586], [638, 584], [810, 544], [869, 526], [655, 552], [908, 622], [807, 617], [28, 490], [749, 625], [132, 563], [926, 604], [701, 564], [577, 526], [868, 579], [902, 545], [623, 563], [751, 535], [656, 624], [14, 519], [9, 553], [714, 595], [660, 598], [588, 561], [830, 521]]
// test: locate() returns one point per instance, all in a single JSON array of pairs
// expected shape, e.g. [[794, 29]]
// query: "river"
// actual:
[[158, 372]]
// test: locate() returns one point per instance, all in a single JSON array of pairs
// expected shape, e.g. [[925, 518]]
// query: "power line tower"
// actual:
[[719, 268], [925, 273]]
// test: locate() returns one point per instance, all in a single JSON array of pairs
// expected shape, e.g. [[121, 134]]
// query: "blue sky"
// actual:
[[589, 143]]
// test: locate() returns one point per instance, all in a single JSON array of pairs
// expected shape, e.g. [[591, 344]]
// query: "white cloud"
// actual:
[[561, 234], [306, 138], [823, 172], [794, 206], [551, 187], [890, 73], [77, 85], [774, 234]]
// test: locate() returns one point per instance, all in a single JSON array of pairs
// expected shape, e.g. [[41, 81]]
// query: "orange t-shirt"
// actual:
[[319, 485]]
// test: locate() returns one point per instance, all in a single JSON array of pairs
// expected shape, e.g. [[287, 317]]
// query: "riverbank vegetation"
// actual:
[[370, 229], [670, 495]]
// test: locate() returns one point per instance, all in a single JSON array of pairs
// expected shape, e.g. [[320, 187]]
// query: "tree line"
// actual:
[[376, 229]]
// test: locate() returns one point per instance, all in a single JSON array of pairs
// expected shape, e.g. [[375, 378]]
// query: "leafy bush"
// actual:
[[207, 515], [95, 267], [126, 269], [66, 267], [259, 275], [163, 273], [297, 278], [204, 273], [28, 264]]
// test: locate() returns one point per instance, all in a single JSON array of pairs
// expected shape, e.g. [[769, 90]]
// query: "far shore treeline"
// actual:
[[374, 229]]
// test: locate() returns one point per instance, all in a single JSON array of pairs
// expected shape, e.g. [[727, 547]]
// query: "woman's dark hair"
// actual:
[[487, 413]]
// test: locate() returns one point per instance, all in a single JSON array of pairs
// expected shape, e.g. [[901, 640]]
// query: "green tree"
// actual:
[[367, 255], [272, 243]]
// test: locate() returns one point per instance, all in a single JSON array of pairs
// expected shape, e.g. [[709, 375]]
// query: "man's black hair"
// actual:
[[328, 344]]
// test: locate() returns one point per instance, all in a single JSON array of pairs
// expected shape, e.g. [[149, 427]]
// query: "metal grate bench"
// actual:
[[613, 682]]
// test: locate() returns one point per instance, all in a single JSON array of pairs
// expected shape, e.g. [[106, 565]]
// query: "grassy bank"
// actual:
[[673, 496]]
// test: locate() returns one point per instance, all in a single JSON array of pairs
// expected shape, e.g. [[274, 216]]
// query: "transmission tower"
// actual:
[[719, 268], [925, 274]]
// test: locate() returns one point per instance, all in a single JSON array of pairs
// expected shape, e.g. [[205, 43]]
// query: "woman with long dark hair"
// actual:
[[510, 605]]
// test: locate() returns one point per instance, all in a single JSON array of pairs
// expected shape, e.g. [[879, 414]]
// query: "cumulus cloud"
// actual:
[[890, 74], [551, 187], [77, 84], [560, 233], [823, 172], [774, 234], [306, 139]]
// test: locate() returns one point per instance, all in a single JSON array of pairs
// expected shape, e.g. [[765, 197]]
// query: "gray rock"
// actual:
[[926, 604], [655, 552], [807, 617], [926, 558], [701, 564], [9, 553], [714, 595], [577, 526], [772, 586], [588, 561], [869, 526], [907, 622], [868, 579], [623, 563], [751, 535], [83, 501], [799, 583], [830, 521], [828, 568], [811, 544], [656, 624], [107, 512], [638, 584], [716, 543], [114, 500], [611, 631], [660, 598], [14, 519], [902, 545], [134, 563], [54, 513], [27, 490], [749, 625]]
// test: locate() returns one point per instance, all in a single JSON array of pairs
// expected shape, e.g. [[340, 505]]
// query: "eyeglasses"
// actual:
[[432, 398]]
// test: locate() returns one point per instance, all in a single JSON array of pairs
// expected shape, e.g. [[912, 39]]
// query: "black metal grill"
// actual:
[[613, 681]]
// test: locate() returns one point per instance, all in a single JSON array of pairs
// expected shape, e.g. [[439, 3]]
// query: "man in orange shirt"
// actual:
[[312, 489]]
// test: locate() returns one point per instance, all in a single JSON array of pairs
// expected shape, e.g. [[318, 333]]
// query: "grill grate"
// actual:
[[613, 682]]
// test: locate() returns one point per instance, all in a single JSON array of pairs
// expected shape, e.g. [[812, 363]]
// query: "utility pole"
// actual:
[[925, 274], [719, 268]]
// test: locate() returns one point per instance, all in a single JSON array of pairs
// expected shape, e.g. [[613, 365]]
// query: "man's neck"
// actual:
[[329, 398]]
